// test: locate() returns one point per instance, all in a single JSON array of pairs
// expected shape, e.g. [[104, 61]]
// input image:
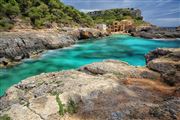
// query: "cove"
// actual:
[[119, 47]]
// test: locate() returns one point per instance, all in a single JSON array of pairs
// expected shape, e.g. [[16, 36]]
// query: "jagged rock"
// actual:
[[157, 53], [18, 58], [162, 65], [178, 28], [85, 35], [4, 61], [167, 110], [156, 32], [15, 46], [91, 33], [167, 63]]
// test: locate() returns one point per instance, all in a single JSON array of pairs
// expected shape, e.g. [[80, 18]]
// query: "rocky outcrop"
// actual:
[[15, 46], [156, 32], [166, 62], [121, 69], [178, 28], [108, 90], [89, 33]]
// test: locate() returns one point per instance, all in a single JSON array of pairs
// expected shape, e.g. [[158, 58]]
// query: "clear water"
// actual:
[[120, 47]]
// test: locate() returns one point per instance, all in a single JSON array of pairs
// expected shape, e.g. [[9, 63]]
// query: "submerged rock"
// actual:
[[108, 90]]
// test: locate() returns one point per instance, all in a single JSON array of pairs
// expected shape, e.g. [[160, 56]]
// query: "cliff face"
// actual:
[[110, 90], [15, 46]]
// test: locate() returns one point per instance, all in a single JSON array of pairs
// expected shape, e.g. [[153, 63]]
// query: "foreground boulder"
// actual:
[[121, 69], [167, 63], [108, 90]]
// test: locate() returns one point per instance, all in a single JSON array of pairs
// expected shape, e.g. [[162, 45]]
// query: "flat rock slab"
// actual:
[[109, 90]]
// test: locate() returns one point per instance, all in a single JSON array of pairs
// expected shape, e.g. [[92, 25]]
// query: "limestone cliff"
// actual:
[[108, 90]]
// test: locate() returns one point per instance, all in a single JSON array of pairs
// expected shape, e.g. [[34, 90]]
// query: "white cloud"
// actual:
[[169, 12], [89, 10], [162, 2]]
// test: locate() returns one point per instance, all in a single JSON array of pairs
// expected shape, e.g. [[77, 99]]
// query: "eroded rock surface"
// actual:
[[167, 63], [108, 90]]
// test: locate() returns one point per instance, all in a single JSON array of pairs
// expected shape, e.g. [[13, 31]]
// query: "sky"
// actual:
[[159, 12]]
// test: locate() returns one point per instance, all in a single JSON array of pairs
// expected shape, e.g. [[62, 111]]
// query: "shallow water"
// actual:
[[120, 47]]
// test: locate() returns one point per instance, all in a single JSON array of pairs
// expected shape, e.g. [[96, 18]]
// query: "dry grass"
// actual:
[[152, 85]]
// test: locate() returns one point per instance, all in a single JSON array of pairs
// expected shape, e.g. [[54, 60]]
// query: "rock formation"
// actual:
[[15, 46], [108, 90], [166, 62], [157, 32]]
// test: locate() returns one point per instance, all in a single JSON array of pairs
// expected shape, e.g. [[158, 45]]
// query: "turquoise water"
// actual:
[[120, 47]]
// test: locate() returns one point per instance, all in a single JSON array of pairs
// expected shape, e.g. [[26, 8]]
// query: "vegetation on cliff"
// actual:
[[40, 13], [50, 13], [109, 16]]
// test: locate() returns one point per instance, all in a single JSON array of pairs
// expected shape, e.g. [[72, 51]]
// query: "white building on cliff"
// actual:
[[102, 27]]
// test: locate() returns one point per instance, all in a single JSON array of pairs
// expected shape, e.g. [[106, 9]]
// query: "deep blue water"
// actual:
[[120, 47]]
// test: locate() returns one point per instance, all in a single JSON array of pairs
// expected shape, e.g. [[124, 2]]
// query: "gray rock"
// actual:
[[15, 46], [167, 63], [155, 32], [117, 115]]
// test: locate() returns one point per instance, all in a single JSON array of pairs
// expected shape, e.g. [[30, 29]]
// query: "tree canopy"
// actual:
[[40, 13], [108, 16]]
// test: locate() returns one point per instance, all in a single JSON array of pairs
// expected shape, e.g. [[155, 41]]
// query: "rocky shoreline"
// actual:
[[16, 46], [153, 32], [108, 90]]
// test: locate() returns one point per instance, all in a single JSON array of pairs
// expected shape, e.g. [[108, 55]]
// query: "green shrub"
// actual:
[[108, 16], [12, 9], [71, 107], [139, 22], [5, 24], [41, 13], [61, 106], [5, 117]]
